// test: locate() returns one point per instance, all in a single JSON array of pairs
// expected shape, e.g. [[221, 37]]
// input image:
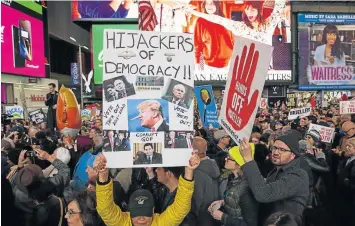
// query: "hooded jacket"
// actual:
[[206, 191], [112, 215]]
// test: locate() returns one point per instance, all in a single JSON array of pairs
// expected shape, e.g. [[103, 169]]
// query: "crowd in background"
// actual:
[[283, 174]]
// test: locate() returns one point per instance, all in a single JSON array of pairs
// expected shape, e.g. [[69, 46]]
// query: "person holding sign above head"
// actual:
[[141, 204], [178, 94], [151, 116]]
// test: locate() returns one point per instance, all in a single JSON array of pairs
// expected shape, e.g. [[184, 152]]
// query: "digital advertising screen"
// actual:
[[215, 24], [104, 10], [22, 42], [326, 44]]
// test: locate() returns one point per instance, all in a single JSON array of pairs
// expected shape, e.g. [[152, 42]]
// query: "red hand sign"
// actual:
[[238, 109]]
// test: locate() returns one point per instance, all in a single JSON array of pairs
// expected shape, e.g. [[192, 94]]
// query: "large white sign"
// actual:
[[147, 98], [326, 133], [15, 111], [299, 112], [347, 107], [244, 87]]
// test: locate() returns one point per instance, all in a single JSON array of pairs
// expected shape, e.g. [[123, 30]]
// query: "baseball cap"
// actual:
[[220, 134], [141, 203]]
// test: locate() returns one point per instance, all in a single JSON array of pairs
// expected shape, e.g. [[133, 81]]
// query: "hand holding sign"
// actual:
[[239, 109]]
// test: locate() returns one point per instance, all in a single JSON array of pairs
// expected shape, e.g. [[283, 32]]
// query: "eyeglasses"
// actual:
[[230, 159], [70, 212], [283, 150]]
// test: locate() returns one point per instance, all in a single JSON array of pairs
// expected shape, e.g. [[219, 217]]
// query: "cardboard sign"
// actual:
[[263, 103], [244, 87], [15, 111], [147, 94], [347, 107], [326, 133], [37, 116], [299, 112], [85, 114], [206, 106]]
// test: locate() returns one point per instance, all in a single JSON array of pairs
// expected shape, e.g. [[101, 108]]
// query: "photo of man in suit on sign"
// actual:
[[110, 143], [124, 144], [177, 96], [151, 116], [149, 156]]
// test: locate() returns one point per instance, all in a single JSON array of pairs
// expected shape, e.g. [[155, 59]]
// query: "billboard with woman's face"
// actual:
[[326, 44], [215, 23]]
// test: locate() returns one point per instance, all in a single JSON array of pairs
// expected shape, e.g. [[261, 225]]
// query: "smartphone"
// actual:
[[18, 60], [216, 207], [25, 39]]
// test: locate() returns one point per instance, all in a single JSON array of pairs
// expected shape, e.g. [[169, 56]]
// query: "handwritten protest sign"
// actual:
[[85, 114], [37, 116], [15, 111], [147, 94], [263, 103], [206, 106], [326, 133], [244, 86], [347, 107], [299, 112]]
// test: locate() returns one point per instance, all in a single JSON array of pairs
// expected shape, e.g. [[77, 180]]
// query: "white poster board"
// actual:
[[147, 98], [15, 111], [245, 83], [326, 133], [299, 112], [347, 107]]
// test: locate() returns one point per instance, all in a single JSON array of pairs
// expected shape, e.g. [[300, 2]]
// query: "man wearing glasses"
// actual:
[[286, 189]]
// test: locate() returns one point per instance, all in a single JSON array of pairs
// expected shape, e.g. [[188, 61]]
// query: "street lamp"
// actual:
[[80, 71]]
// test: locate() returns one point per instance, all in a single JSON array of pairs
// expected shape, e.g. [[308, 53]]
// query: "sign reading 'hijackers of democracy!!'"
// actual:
[[326, 133], [147, 98], [250, 62], [347, 107], [299, 112]]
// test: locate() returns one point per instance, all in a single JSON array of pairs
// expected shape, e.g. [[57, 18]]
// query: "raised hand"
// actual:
[[239, 109], [100, 167]]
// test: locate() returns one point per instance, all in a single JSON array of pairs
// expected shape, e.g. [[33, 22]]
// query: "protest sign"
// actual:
[[263, 103], [15, 111], [326, 133], [147, 94], [85, 114], [246, 76], [37, 116], [347, 107], [206, 106], [299, 112]]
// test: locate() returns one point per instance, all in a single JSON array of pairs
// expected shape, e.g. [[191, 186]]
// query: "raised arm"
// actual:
[[275, 16], [109, 212]]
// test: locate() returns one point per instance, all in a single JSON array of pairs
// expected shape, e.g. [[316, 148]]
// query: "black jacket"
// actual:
[[286, 189]]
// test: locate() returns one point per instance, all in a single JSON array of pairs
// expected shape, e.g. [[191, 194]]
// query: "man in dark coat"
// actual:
[[286, 188], [51, 102], [177, 97]]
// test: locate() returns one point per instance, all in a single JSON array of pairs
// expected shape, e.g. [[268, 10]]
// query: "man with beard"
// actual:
[[286, 189]]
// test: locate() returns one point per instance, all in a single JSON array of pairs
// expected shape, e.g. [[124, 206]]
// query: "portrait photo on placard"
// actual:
[[117, 88], [116, 140], [148, 115], [178, 139], [178, 93], [147, 153]]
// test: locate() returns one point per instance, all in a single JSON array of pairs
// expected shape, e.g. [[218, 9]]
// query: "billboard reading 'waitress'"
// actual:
[[327, 51]]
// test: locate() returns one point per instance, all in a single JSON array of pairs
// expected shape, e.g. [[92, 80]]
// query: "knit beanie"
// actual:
[[291, 139], [314, 134]]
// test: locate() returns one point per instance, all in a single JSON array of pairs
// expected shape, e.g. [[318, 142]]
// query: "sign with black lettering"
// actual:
[[147, 93], [299, 112], [37, 116]]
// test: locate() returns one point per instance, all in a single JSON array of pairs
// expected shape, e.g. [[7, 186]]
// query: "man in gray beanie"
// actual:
[[286, 189]]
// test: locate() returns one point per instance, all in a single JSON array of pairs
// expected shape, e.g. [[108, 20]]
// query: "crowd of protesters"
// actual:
[[283, 174]]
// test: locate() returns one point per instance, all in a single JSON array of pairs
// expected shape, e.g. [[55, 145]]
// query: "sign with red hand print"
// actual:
[[245, 84]]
